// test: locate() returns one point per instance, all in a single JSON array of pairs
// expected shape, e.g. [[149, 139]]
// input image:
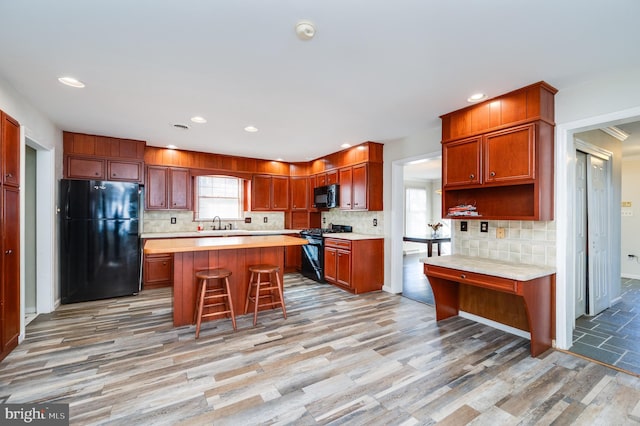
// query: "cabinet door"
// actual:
[[261, 192], [359, 187], [84, 168], [156, 188], [299, 196], [332, 177], [125, 171], [461, 162], [78, 143], [346, 177], [10, 279], [280, 193], [158, 269], [343, 262], [330, 264], [10, 151], [509, 155], [179, 193], [312, 182]]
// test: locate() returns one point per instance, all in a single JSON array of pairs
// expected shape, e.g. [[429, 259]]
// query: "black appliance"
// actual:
[[313, 251], [99, 241], [326, 197]]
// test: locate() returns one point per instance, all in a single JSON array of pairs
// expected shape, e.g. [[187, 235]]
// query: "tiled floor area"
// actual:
[[613, 336], [415, 285]]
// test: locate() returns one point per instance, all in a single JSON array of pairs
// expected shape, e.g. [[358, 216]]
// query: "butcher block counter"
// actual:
[[515, 294], [234, 253]]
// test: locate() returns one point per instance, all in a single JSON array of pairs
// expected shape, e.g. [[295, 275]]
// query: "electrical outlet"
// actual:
[[265, 219], [484, 226], [173, 220], [324, 220], [375, 222], [499, 232], [247, 220], [463, 226]]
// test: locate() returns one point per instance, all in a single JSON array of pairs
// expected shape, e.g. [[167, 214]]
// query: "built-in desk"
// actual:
[[533, 284]]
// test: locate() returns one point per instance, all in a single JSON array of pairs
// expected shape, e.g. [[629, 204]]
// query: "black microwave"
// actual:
[[326, 197]]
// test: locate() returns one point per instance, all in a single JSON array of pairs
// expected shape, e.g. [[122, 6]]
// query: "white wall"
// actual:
[[630, 225]]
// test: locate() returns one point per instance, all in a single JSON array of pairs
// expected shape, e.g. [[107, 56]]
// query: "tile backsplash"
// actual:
[[524, 242], [362, 222], [160, 221]]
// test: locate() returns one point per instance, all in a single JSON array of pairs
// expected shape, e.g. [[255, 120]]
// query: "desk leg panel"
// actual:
[[537, 296], [445, 293]]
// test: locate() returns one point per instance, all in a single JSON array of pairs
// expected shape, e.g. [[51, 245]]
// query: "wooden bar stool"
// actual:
[[264, 289], [214, 290]]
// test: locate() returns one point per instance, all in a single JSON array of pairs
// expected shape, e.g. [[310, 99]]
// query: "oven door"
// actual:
[[313, 258]]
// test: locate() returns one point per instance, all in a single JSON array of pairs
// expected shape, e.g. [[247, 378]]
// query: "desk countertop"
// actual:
[[178, 245], [494, 267]]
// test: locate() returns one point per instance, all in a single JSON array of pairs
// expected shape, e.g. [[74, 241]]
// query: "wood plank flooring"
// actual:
[[375, 359]]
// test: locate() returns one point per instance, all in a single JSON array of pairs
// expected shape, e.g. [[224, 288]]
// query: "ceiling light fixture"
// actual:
[[72, 82], [251, 129], [477, 97], [619, 134], [305, 30], [198, 119]]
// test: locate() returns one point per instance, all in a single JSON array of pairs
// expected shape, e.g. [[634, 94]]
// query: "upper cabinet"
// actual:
[[299, 192], [499, 156], [168, 188], [10, 151], [100, 157], [361, 187], [269, 193]]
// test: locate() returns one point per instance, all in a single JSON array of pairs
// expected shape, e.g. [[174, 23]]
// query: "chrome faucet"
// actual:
[[219, 223]]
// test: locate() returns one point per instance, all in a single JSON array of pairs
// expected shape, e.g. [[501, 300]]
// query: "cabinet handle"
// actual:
[[97, 174], [113, 174], [9, 175], [472, 176], [463, 276], [492, 174], [164, 263], [8, 251]]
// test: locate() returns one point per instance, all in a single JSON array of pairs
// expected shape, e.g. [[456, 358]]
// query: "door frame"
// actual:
[[565, 165]]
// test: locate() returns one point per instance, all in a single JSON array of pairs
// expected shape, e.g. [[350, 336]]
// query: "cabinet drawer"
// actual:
[[472, 278], [337, 243], [158, 269]]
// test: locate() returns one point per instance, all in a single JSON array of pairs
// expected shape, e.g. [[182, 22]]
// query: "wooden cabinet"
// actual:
[[10, 234], [157, 270], [356, 266], [100, 157], [269, 193], [168, 188], [361, 187], [299, 192], [499, 156]]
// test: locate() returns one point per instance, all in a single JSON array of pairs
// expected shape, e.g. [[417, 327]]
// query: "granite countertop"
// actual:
[[218, 233], [179, 245], [352, 236], [497, 268]]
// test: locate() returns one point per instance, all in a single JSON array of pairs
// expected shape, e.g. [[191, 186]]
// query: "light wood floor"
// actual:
[[375, 359]]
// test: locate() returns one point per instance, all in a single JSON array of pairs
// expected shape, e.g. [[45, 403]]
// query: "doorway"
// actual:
[[30, 234]]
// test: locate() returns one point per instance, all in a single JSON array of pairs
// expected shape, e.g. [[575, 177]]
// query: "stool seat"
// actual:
[[260, 289], [211, 274], [214, 291]]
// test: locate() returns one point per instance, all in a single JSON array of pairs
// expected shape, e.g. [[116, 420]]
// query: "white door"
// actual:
[[597, 234], [581, 235]]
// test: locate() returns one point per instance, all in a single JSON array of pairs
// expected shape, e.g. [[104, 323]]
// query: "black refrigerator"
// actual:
[[99, 240]]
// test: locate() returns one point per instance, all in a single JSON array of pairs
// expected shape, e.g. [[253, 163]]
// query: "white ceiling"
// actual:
[[377, 70]]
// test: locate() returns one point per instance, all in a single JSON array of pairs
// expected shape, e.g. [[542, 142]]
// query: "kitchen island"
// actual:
[[234, 253]]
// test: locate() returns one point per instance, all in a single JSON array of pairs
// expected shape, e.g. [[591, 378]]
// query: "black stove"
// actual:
[[313, 252]]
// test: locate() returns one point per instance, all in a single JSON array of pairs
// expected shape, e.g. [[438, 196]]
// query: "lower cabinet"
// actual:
[[10, 269], [354, 265], [157, 271]]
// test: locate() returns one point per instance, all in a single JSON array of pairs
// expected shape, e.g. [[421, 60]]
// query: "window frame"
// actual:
[[240, 199]]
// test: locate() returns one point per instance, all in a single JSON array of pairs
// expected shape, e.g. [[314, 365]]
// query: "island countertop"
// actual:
[[495, 267], [182, 245]]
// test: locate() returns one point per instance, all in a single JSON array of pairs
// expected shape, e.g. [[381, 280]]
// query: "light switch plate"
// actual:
[[463, 226], [484, 226]]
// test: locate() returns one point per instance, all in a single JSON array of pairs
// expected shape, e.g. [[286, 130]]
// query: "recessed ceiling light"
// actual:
[[70, 81], [477, 97], [251, 129], [279, 159], [345, 145], [172, 147], [305, 30], [198, 119]]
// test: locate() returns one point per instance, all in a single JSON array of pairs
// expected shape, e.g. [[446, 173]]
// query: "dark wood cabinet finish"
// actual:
[[346, 196], [125, 171], [10, 234], [168, 188], [269, 193], [499, 156], [157, 270], [356, 266], [299, 192], [361, 187], [84, 168]]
